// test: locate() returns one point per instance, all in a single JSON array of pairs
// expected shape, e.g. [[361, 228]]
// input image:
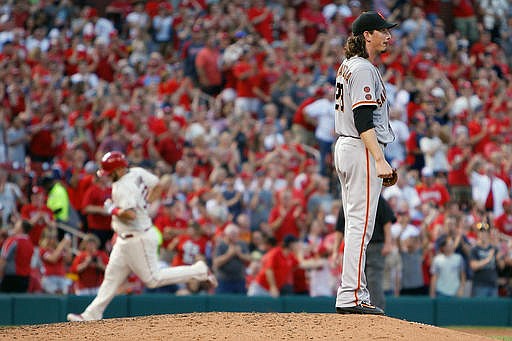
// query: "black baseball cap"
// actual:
[[369, 21]]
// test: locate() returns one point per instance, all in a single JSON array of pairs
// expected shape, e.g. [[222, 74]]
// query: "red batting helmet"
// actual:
[[112, 161]]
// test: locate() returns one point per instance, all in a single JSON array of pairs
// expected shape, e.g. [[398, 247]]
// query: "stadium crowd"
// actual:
[[232, 103]]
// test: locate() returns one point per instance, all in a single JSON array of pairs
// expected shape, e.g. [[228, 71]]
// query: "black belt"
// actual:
[[358, 138], [131, 235]]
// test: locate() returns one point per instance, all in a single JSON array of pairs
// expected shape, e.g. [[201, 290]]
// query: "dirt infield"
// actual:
[[239, 326]]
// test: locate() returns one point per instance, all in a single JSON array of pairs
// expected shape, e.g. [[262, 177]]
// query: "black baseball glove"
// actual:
[[391, 180]]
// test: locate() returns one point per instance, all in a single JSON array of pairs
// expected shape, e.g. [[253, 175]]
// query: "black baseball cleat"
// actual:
[[363, 308]]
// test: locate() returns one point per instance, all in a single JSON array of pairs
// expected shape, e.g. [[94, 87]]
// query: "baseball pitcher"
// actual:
[[362, 124]]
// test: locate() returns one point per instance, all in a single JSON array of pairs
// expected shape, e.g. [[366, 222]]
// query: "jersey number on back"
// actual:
[[339, 97]]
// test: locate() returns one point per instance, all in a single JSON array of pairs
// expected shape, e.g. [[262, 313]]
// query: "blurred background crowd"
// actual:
[[232, 103]]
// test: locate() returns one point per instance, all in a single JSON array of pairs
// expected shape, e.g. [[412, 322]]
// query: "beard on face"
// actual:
[[114, 176]]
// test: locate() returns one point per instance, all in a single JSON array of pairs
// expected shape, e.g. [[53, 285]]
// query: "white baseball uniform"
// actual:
[[358, 83], [136, 246]]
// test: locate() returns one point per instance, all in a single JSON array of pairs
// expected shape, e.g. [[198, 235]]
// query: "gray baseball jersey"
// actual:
[[365, 89]]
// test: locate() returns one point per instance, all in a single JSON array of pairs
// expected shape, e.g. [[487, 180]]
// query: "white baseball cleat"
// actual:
[[75, 318], [212, 280], [210, 277]]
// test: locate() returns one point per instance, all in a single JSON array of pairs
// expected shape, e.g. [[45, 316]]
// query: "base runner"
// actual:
[[136, 247]]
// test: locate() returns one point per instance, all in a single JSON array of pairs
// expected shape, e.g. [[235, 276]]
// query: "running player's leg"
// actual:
[[144, 263], [360, 188], [116, 273]]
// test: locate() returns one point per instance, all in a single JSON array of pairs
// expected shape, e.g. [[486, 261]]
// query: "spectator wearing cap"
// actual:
[[89, 266], [15, 257], [38, 214], [55, 256], [447, 272], [485, 260], [230, 260], [98, 219], [488, 190], [430, 190], [503, 222]]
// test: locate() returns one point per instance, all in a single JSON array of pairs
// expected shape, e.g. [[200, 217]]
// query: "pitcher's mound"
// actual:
[[239, 326]]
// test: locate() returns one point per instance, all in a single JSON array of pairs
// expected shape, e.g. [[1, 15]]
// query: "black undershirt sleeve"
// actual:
[[363, 118]]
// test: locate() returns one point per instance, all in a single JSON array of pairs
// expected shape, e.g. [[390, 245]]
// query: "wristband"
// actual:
[[115, 211]]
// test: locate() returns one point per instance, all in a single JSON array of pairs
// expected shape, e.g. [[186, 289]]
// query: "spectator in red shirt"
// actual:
[[430, 190], [169, 222], [303, 130], [246, 73], [284, 217], [98, 220], [465, 19], [170, 144], [37, 214], [262, 19], [312, 21], [208, 67], [55, 256], [189, 247], [15, 258], [458, 182], [89, 265], [276, 275]]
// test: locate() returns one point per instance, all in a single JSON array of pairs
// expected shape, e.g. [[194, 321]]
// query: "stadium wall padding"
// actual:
[[30, 309]]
